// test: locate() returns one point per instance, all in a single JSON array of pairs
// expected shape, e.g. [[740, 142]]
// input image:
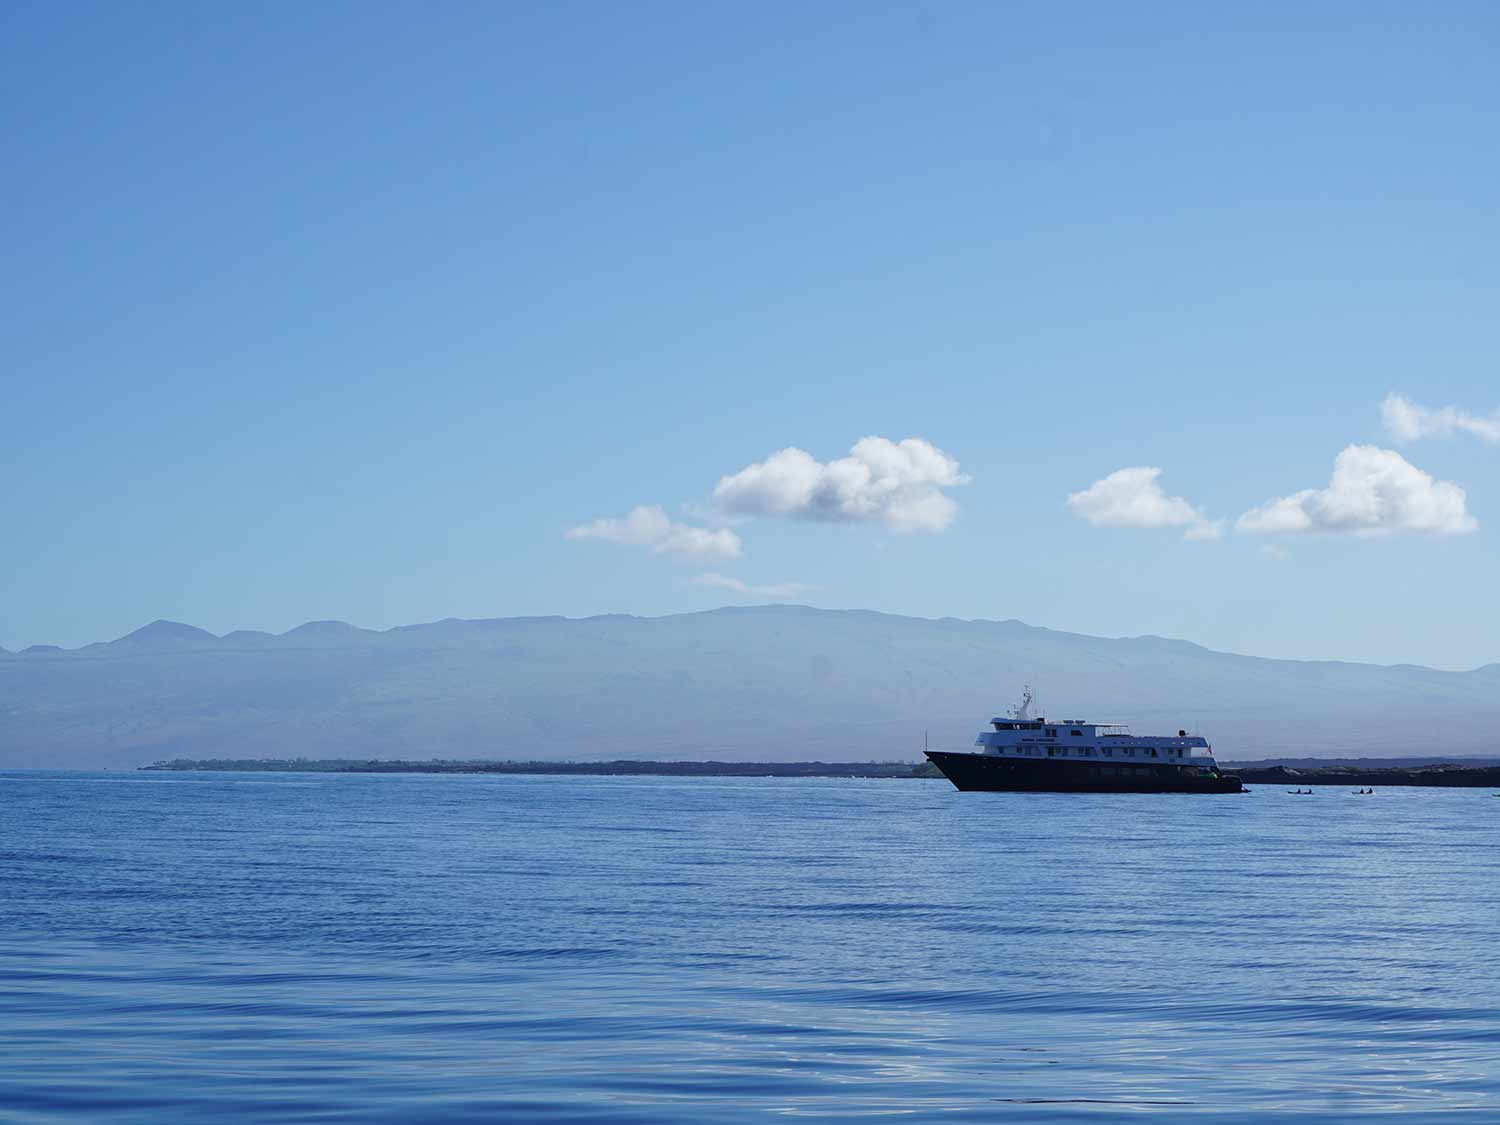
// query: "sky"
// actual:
[[1176, 319]]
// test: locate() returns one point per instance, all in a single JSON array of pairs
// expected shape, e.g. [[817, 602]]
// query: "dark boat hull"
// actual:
[[995, 774]]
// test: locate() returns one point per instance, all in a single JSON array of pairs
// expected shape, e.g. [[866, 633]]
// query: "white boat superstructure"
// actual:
[[1019, 735]]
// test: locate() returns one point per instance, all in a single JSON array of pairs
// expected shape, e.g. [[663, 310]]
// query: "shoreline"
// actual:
[[621, 768], [1448, 775]]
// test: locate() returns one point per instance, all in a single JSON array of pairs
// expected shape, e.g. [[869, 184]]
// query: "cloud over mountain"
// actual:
[[898, 484], [1407, 421], [713, 581], [1373, 492], [649, 526], [1132, 497]]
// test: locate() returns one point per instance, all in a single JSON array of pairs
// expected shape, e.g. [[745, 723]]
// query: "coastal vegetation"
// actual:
[[1439, 774], [617, 768]]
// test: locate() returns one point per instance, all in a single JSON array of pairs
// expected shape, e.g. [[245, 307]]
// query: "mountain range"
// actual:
[[767, 683]]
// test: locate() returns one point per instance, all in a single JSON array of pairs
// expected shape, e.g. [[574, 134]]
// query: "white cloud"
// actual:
[[745, 589], [1373, 492], [1406, 421], [649, 526], [1133, 498], [899, 484]]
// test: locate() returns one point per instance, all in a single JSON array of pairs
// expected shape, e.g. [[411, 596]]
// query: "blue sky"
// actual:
[[356, 311]]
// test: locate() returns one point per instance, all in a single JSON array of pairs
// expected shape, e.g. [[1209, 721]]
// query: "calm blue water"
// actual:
[[391, 948]]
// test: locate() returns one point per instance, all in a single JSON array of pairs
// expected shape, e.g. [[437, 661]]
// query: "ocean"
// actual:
[[381, 948]]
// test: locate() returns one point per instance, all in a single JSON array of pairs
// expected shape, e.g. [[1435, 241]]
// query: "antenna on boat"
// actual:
[[1023, 712]]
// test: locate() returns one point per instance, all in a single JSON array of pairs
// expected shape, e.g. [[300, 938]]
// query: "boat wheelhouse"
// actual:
[[1022, 752]]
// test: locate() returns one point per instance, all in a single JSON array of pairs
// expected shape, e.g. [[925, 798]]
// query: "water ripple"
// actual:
[[387, 949]]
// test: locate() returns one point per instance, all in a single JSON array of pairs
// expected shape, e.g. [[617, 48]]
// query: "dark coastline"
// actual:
[[1441, 775], [622, 768]]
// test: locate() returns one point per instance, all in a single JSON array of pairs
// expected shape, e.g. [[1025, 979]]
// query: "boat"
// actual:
[[1023, 752]]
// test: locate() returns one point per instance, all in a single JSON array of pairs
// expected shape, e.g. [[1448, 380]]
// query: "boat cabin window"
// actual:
[[1076, 733], [1107, 752]]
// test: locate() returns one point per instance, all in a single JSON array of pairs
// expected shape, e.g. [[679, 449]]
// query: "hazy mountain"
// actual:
[[769, 683], [165, 636]]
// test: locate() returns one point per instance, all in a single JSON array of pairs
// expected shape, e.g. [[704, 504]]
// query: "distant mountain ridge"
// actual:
[[763, 683]]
